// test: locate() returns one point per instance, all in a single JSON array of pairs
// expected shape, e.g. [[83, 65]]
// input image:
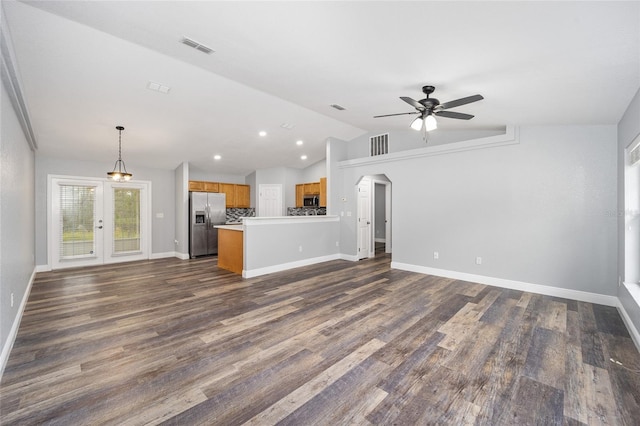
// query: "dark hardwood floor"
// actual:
[[182, 342]]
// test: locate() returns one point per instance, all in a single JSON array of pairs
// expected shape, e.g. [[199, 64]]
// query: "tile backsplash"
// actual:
[[306, 211], [234, 214]]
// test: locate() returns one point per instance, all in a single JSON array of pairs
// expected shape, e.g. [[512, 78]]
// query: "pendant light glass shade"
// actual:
[[417, 123], [119, 173], [430, 123]]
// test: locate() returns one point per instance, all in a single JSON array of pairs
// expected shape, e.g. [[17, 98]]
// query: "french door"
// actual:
[[94, 221]]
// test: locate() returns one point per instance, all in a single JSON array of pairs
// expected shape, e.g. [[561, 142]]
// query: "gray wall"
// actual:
[[536, 211], [206, 175], [162, 193], [269, 245], [628, 129], [314, 172], [17, 236], [403, 140]]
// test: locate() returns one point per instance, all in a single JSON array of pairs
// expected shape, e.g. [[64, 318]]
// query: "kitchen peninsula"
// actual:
[[263, 245]]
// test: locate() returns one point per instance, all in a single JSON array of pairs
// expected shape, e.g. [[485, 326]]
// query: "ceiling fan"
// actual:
[[428, 108]]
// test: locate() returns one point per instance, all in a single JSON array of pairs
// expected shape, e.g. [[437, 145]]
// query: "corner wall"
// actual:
[[628, 129]]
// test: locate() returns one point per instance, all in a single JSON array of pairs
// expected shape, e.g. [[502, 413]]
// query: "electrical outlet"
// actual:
[[337, 243], [175, 241], [478, 260], [12, 300], [300, 249], [436, 255]]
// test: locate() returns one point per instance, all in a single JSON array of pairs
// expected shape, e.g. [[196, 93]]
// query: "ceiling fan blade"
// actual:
[[452, 114], [400, 113], [417, 105], [461, 101]]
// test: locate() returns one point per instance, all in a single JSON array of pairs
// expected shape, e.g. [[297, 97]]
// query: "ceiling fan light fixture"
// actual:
[[430, 123], [417, 124]]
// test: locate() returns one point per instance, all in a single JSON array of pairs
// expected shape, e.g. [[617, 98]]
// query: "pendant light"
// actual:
[[119, 173]]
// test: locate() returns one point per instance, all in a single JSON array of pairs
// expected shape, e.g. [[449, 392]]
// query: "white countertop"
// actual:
[[230, 227]]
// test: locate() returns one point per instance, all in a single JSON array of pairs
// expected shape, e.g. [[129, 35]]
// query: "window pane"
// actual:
[[126, 220], [77, 205]]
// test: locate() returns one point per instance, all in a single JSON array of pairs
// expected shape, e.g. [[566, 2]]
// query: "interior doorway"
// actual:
[[270, 200], [373, 216]]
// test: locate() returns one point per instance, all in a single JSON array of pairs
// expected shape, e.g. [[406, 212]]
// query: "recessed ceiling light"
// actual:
[[299, 143], [217, 157], [263, 133], [303, 157]]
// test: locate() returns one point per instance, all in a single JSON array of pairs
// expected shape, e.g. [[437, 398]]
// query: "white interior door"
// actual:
[[92, 222], [270, 200], [365, 228]]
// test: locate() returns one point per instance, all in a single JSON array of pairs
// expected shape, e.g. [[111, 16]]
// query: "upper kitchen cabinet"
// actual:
[[237, 195], [229, 190], [202, 186], [323, 192], [211, 187], [300, 195], [312, 188], [196, 186], [243, 196]]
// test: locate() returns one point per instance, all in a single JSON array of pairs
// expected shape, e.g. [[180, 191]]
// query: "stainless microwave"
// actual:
[[311, 201]]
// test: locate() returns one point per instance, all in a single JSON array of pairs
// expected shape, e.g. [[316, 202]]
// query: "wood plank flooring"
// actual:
[[183, 342]]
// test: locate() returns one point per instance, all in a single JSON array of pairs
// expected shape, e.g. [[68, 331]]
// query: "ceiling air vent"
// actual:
[[379, 144], [196, 45], [338, 107]]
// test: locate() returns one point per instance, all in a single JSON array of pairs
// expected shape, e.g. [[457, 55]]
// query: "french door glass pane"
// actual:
[[126, 220], [77, 206]]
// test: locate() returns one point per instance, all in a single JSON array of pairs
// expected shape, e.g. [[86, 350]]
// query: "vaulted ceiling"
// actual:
[[85, 67]]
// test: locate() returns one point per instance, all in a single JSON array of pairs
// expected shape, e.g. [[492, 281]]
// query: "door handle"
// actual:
[[99, 227], [368, 223]]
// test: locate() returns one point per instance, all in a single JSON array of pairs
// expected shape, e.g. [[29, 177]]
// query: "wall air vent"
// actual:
[[196, 45], [338, 107], [379, 144]]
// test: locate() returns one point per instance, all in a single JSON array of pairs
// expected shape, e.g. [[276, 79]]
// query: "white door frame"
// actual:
[[388, 234], [101, 257]]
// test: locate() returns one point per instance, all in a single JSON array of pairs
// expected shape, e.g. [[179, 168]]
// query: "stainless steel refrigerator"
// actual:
[[206, 209]]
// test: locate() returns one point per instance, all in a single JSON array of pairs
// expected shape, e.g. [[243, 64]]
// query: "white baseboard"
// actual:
[[11, 338], [285, 266], [163, 255], [350, 257], [583, 296], [633, 331], [43, 268], [182, 256]]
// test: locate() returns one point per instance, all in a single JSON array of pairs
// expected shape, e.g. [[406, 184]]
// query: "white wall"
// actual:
[[162, 189], [17, 235], [536, 212], [628, 129]]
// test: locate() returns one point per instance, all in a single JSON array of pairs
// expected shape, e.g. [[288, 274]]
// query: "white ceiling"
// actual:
[[85, 66]]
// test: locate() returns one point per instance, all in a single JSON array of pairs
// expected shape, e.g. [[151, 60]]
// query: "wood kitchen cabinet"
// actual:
[[323, 192], [229, 190], [196, 185], [202, 186], [211, 187], [243, 196], [237, 195], [300, 195], [312, 188]]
